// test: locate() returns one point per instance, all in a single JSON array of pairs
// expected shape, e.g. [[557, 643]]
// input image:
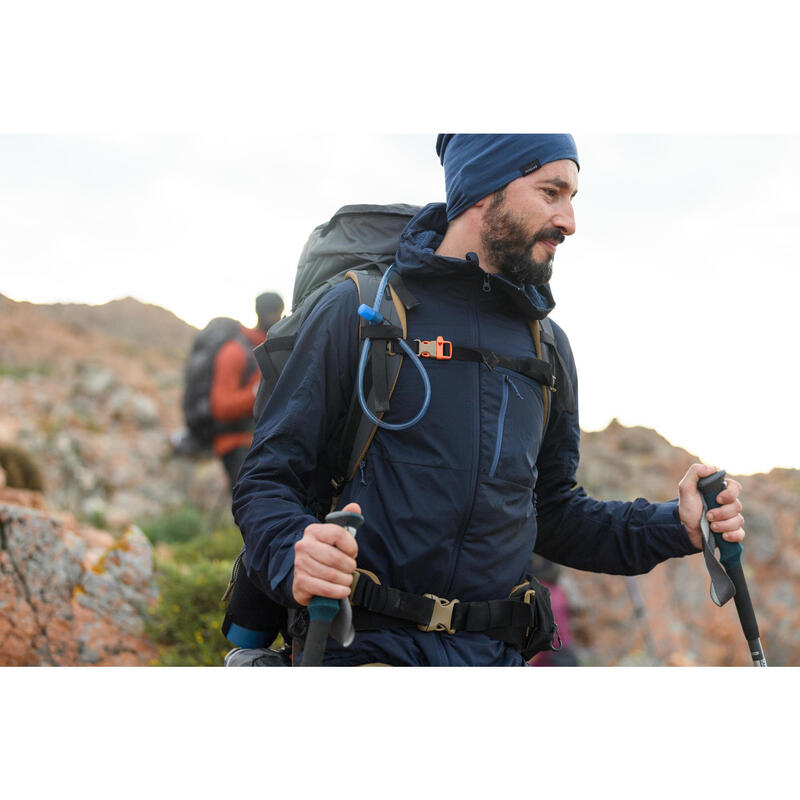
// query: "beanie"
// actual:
[[477, 164]]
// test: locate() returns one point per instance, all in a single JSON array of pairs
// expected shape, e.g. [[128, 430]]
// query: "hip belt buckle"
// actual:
[[441, 616]]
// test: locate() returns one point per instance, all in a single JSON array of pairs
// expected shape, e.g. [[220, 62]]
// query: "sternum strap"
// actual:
[[533, 368]]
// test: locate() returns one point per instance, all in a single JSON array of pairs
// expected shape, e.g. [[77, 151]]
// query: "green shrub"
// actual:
[[178, 526], [193, 568], [19, 371], [186, 623], [220, 545], [97, 519], [21, 470]]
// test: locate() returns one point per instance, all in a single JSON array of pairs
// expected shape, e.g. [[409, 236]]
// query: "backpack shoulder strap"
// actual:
[[381, 378], [536, 333], [544, 340]]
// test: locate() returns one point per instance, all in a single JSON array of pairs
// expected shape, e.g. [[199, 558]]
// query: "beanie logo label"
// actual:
[[530, 167]]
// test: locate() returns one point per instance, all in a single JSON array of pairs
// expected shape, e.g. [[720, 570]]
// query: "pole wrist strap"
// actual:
[[722, 588]]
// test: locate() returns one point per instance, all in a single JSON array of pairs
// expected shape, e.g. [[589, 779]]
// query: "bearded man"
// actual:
[[455, 505]]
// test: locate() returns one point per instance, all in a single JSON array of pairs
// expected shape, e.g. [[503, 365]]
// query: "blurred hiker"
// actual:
[[472, 466], [234, 383], [220, 381]]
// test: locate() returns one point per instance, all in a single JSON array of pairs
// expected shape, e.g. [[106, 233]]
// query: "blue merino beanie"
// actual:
[[477, 164]]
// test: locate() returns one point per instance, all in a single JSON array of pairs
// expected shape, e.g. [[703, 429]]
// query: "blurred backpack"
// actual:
[[358, 243], [201, 427]]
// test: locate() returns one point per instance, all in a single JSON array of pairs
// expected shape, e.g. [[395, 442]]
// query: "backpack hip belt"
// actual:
[[524, 619]]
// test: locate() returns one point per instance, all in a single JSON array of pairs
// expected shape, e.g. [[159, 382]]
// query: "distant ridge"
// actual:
[[128, 320]]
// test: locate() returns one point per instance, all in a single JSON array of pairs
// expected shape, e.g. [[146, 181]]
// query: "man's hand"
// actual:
[[324, 561], [727, 519]]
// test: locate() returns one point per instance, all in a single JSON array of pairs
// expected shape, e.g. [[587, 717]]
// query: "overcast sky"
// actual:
[[678, 290]]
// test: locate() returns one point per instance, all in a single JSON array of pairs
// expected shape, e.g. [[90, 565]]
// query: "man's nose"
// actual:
[[564, 219]]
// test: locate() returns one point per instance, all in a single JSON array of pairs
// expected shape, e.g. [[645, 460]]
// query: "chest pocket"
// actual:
[[515, 433]]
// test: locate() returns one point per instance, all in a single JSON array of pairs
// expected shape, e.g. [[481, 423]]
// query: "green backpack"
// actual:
[[358, 243]]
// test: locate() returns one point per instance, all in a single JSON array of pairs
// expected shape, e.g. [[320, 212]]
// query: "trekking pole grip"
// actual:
[[322, 610], [730, 552]]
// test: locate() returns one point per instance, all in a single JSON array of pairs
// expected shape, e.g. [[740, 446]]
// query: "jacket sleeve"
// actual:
[[615, 537], [291, 438]]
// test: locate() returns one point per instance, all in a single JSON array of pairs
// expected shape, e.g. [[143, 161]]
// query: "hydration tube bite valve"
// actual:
[[374, 317]]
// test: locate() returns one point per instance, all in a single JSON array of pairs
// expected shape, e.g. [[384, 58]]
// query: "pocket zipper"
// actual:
[[502, 421]]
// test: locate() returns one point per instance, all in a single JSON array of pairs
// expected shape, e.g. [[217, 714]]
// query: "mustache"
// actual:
[[554, 234]]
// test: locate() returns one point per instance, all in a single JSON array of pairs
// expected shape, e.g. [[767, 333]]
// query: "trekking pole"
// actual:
[[322, 610], [731, 559], [639, 612]]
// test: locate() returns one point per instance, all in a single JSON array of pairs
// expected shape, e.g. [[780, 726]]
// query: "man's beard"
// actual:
[[509, 246]]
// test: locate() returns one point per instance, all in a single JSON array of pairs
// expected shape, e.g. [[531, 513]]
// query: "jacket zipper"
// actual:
[[476, 450]]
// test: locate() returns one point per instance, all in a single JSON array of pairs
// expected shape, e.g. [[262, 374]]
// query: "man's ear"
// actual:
[[473, 216]]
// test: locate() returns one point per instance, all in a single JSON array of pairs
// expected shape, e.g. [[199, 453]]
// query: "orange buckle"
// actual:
[[440, 349]]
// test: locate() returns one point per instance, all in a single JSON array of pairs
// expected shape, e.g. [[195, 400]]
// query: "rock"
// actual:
[[94, 507], [684, 624], [58, 607], [144, 411], [27, 498], [94, 381]]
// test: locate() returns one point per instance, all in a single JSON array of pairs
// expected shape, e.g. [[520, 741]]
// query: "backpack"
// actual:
[[198, 377], [358, 243]]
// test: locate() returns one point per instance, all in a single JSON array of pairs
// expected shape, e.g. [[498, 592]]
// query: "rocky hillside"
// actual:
[[92, 394], [677, 621]]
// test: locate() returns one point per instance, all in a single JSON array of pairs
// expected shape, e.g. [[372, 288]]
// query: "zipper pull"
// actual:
[[487, 287], [513, 386], [362, 466]]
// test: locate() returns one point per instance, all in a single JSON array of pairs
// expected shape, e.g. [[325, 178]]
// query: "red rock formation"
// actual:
[[684, 624], [70, 596]]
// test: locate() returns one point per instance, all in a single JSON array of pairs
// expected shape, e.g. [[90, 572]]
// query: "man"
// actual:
[[234, 385], [455, 505]]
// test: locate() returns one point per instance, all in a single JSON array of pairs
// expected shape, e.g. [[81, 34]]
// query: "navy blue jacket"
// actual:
[[455, 505]]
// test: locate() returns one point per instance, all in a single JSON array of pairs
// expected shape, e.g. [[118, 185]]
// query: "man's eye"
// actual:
[[550, 192]]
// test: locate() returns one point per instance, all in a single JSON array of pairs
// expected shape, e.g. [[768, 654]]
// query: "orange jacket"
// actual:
[[232, 392]]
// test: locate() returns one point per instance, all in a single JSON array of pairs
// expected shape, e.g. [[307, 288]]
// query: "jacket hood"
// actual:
[[416, 256]]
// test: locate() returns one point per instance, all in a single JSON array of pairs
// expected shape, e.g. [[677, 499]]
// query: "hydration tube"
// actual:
[[372, 315]]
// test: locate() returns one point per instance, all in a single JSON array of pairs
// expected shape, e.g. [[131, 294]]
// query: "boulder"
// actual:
[[71, 596]]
